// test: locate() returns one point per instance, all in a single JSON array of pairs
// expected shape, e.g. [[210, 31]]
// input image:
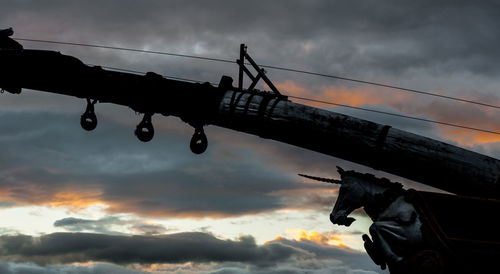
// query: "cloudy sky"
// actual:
[[73, 201]]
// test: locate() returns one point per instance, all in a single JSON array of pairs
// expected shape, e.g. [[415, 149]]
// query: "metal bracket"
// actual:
[[261, 73], [90, 105]]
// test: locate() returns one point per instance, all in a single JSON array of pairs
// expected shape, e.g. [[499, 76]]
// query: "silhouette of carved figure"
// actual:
[[396, 229], [6, 42]]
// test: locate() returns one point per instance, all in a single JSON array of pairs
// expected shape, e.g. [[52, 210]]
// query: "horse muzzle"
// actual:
[[341, 220]]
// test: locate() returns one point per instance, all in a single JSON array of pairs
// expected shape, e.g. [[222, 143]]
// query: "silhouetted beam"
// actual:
[[53, 72], [398, 152], [408, 155]]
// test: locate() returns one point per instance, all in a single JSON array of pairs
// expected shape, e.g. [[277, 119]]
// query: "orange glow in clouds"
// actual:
[[468, 137], [318, 237], [75, 200], [401, 102], [467, 116], [340, 95]]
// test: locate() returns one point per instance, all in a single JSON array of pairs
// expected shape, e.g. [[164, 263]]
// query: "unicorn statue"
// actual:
[[396, 229]]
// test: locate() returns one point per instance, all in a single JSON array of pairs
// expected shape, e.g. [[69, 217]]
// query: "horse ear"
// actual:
[[340, 171]]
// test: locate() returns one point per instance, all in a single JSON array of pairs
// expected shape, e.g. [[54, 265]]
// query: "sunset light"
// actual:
[[128, 146]]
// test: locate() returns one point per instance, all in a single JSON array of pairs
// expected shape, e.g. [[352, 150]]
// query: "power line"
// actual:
[[127, 49], [271, 67], [397, 115], [385, 86], [296, 71], [340, 105], [141, 73]]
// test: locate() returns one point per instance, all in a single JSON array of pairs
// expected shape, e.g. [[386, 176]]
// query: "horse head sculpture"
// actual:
[[396, 227], [351, 197], [358, 190]]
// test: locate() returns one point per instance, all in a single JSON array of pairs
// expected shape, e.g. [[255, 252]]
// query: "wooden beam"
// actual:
[[408, 155], [382, 147]]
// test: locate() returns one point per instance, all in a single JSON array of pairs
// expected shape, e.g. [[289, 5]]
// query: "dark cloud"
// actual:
[[415, 43], [31, 268], [173, 248], [47, 158], [4, 230], [347, 260], [55, 156], [236, 268], [106, 225], [73, 221], [411, 43], [149, 229], [101, 225], [218, 256], [364, 39], [450, 46]]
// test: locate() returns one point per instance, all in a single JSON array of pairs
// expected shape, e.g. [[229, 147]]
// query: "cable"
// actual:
[[271, 67], [119, 69], [142, 73], [163, 75], [127, 49], [340, 105], [384, 85], [296, 71], [397, 115]]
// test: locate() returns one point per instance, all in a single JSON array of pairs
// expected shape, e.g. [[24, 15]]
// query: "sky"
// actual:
[[73, 201]]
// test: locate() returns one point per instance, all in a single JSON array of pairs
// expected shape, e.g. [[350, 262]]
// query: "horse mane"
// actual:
[[383, 182]]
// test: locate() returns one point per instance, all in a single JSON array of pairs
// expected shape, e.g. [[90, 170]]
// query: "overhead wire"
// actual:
[[126, 49], [291, 70], [141, 72], [396, 115], [463, 100], [339, 105], [385, 86]]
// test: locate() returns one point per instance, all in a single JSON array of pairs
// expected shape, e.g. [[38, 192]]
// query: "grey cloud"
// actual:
[[206, 254], [72, 221], [101, 225], [31, 268], [236, 268], [410, 43], [353, 260], [45, 153], [59, 248], [6, 230], [149, 229], [158, 178], [318, 268], [418, 43], [105, 225], [390, 37]]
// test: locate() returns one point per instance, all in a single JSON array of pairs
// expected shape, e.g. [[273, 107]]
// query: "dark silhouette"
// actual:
[[271, 115], [417, 231], [396, 228], [148, 94], [6, 42], [266, 114]]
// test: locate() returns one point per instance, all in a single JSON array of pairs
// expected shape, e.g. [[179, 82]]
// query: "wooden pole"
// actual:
[[267, 115], [382, 147]]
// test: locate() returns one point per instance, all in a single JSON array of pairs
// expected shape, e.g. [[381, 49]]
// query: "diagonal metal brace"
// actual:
[[261, 73]]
